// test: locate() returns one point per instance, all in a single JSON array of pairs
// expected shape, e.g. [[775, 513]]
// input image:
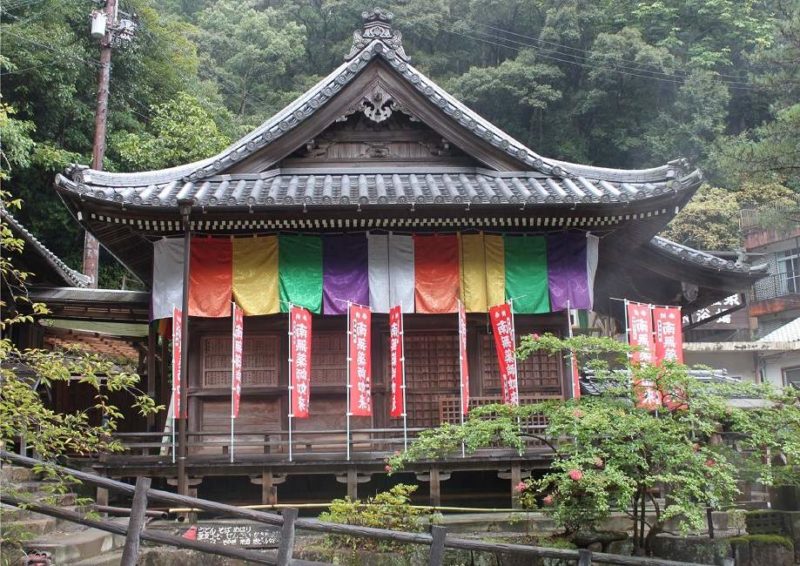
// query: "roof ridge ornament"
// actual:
[[377, 24]]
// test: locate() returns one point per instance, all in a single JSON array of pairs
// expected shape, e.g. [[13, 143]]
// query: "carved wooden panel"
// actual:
[[539, 373], [432, 372], [260, 363], [329, 358]]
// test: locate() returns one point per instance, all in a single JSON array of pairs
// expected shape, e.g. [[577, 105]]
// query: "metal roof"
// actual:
[[789, 332]]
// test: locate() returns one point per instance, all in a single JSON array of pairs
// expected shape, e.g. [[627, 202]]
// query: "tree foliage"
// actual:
[[610, 454]]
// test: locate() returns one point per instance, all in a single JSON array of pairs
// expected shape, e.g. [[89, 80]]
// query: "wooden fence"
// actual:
[[437, 540]]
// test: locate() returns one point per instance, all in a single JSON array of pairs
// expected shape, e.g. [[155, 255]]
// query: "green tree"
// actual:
[[181, 131], [609, 453]]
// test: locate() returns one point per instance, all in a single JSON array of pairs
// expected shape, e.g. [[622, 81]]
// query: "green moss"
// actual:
[[763, 539]]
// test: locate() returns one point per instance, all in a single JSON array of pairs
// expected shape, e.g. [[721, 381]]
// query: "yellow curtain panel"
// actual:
[[255, 274]]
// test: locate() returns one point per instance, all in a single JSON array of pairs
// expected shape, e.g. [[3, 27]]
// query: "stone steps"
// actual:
[[112, 558], [72, 547]]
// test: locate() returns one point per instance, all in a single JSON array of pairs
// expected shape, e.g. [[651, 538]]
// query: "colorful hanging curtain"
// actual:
[[436, 274], [423, 273], [210, 277], [391, 272], [569, 273], [526, 274], [482, 271], [300, 272], [255, 274], [345, 272], [167, 277]]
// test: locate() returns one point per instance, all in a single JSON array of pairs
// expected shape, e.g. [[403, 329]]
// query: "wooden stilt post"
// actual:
[[352, 483], [516, 478], [152, 341], [269, 491], [130, 553], [436, 488]]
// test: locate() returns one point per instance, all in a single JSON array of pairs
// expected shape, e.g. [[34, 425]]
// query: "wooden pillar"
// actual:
[[516, 478], [166, 383], [269, 491], [352, 484], [435, 488], [152, 341]]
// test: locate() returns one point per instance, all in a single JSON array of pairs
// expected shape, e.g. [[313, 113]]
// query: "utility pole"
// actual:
[[110, 32]]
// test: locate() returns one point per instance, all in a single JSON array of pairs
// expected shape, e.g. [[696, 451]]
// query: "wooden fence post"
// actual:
[[584, 557], [438, 534], [130, 553], [287, 537]]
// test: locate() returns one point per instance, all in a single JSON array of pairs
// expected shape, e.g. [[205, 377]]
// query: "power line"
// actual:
[[630, 70], [54, 50], [579, 50], [518, 46]]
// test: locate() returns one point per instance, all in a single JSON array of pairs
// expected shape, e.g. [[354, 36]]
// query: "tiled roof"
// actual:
[[701, 258], [445, 185], [69, 275]]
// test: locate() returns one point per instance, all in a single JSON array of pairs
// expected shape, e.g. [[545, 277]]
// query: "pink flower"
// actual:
[[548, 500], [535, 336], [575, 475], [388, 469], [710, 463], [578, 414], [520, 487]]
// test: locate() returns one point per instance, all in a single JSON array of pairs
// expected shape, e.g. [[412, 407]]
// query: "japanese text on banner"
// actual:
[[396, 360], [669, 334], [236, 360], [640, 333], [301, 361], [360, 361], [177, 327], [503, 329], [462, 352]]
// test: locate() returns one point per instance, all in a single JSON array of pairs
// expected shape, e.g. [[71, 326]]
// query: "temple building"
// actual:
[[377, 187]]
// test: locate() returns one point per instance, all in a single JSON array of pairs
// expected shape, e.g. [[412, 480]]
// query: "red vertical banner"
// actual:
[[503, 329], [177, 326], [236, 359], [396, 361], [360, 367], [462, 354], [640, 333], [668, 334], [301, 361]]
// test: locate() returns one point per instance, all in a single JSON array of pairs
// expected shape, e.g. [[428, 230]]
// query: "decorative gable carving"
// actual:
[[377, 24]]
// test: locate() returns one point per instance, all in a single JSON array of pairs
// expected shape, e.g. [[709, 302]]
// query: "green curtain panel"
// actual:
[[300, 272], [526, 273]]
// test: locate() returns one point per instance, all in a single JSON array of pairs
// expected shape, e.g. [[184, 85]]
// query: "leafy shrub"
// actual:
[[387, 510]]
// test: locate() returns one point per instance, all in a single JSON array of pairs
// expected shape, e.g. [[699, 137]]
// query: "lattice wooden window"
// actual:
[[329, 358], [539, 373], [260, 364], [432, 372]]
